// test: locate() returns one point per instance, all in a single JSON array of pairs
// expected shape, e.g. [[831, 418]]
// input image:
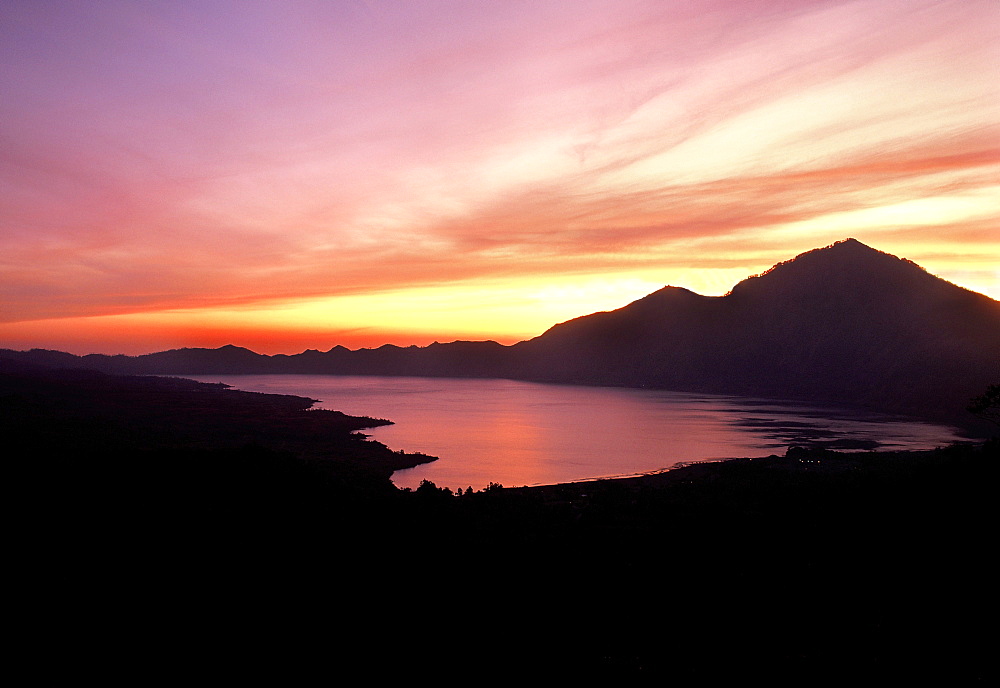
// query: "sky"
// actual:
[[305, 174]]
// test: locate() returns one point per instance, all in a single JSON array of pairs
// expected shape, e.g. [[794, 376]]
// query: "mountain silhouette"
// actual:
[[844, 324]]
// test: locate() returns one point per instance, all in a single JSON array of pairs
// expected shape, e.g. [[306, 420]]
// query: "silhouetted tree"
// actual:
[[426, 486], [428, 489], [987, 404]]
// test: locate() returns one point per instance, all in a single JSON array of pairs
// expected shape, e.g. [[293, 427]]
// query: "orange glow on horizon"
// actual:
[[472, 171], [505, 313]]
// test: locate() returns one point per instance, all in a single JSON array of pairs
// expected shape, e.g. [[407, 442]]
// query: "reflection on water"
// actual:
[[522, 433]]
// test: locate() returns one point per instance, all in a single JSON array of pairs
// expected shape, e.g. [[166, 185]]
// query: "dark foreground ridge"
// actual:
[[165, 527], [845, 324]]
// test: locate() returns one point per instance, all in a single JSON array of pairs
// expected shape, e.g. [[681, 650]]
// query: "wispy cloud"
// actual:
[[174, 156]]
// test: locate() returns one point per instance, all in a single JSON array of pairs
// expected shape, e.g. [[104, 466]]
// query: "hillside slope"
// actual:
[[845, 324]]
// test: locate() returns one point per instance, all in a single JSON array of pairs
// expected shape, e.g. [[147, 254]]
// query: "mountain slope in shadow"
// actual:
[[844, 324]]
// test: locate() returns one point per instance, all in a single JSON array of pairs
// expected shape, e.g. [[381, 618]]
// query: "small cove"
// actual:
[[522, 433]]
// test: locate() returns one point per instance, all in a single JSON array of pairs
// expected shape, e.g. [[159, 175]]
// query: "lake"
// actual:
[[522, 433]]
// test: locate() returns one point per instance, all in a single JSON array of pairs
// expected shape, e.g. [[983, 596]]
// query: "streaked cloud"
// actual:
[[435, 162]]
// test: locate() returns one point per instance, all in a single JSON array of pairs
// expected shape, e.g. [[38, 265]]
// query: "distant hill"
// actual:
[[455, 359], [844, 324]]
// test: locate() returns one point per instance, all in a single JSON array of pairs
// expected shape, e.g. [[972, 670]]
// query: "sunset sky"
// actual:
[[302, 174]]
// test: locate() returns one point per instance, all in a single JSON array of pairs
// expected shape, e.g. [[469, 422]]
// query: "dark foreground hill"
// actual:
[[148, 541]]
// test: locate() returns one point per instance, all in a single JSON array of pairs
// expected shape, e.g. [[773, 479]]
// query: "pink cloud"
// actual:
[[168, 156]]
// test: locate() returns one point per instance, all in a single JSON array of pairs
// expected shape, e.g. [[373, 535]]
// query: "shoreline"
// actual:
[[807, 561], [817, 463]]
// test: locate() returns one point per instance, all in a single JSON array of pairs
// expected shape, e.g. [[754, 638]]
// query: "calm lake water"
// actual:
[[523, 433]]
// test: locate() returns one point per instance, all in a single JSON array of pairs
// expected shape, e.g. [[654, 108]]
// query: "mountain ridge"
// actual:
[[844, 324]]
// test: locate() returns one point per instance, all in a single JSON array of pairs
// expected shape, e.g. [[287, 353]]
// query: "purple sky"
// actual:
[[295, 174]]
